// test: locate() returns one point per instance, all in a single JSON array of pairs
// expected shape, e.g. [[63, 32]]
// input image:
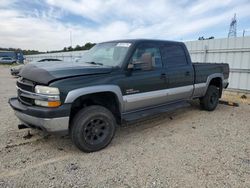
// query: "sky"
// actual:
[[46, 25]]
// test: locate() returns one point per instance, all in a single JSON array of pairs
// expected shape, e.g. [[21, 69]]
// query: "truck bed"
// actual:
[[203, 70]]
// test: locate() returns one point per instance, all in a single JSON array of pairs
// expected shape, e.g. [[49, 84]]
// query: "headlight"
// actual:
[[50, 95], [47, 90]]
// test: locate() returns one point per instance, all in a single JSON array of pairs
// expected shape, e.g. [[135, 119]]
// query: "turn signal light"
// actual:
[[48, 103], [54, 103]]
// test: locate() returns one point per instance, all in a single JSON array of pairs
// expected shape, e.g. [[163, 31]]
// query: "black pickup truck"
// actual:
[[113, 83]]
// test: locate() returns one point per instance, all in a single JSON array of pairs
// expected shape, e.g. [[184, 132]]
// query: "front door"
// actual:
[[143, 88]]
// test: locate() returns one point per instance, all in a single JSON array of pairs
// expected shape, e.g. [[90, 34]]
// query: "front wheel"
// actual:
[[93, 128], [211, 99]]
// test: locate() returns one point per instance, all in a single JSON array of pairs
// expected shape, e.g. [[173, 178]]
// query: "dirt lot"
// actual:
[[188, 148]]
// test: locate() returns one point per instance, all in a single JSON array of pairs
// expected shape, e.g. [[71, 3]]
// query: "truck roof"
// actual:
[[145, 40]]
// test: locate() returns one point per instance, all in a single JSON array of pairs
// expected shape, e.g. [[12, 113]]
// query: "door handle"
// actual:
[[187, 73], [163, 76]]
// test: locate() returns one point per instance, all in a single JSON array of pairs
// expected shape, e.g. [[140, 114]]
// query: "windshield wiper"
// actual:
[[94, 63]]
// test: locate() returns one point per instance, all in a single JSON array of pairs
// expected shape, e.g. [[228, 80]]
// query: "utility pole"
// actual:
[[233, 28], [70, 37]]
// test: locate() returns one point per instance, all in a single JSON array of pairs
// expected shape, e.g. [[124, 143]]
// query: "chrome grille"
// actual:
[[25, 85]]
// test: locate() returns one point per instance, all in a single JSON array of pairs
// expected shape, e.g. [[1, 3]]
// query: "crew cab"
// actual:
[[114, 82]]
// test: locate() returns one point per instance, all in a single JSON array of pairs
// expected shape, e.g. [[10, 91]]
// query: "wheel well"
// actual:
[[218, 83], [107, 99]]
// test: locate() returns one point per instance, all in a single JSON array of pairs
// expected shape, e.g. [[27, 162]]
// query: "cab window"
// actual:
[[146, 55], [173, 55]]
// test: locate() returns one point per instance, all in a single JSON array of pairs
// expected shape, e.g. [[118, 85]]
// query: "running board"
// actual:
[[136, 115]]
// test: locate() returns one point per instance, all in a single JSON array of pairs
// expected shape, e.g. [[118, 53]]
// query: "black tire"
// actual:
[[211, 99], [93, 128]]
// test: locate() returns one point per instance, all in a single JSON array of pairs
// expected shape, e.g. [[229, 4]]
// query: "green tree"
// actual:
[[70, 48], [78, 47], [89, 45]]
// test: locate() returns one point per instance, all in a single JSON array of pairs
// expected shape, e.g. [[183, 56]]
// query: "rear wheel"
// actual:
[[211, 99], [93, 128]]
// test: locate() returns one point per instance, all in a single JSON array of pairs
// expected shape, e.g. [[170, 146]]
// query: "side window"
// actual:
[[146, 55], [173, 56]]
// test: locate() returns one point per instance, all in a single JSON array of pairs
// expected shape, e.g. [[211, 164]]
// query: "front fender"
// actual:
[[74, 94]]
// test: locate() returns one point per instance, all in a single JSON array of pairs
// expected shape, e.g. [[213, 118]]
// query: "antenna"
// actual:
[[233, 27]]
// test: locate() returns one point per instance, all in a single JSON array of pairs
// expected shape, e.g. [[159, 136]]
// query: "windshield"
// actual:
[[108, 54]]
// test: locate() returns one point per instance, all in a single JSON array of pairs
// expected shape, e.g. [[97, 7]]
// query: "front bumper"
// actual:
[[14, 72], [51, 120]]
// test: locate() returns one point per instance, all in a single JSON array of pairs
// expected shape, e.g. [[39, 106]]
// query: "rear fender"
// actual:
[[201, 88]]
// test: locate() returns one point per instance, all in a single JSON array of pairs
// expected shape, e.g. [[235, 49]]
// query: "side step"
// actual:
[[136, 115]]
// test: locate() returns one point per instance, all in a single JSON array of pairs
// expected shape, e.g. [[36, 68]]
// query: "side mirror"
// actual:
[[144, 63], [131, 66], [140, 66]]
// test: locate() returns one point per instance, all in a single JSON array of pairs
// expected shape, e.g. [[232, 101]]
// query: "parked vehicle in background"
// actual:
[[115, 82], [18, 56], [15, 70], [7, 60]]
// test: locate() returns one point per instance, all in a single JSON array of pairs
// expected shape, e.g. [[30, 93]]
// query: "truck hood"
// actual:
[[45, 72]]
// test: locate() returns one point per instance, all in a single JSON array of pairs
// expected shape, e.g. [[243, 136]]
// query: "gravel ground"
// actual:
[[188, 148]]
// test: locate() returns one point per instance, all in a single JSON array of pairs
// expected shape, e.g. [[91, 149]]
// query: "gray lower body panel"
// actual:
[[50, 125], [152, 98]]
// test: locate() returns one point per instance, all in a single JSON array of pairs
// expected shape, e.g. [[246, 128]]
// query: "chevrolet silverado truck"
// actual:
[[114, 82]]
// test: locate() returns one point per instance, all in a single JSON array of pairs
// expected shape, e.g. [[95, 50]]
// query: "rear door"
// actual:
[[179, 72]]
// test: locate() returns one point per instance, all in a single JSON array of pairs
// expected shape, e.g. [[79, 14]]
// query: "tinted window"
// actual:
[[173, 56], [143, 53]]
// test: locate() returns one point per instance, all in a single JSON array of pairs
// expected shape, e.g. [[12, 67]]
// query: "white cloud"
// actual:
[[165, 19], [202, 7]]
